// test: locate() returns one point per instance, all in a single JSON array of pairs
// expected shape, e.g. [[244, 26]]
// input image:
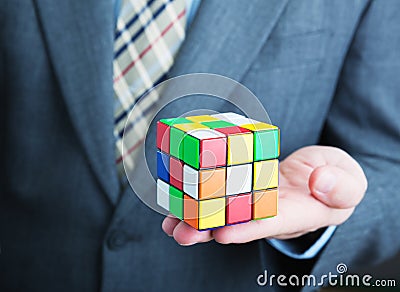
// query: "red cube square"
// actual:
[[232, 130], [238, 208], [163, 137], [213, 153], [176, 173]]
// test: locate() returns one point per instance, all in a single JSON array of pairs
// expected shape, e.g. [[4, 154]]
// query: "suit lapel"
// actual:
[[79, 36], [226, 36]]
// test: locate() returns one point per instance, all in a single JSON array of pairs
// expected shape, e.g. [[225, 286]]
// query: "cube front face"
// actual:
[[217, 170], [238, 208]]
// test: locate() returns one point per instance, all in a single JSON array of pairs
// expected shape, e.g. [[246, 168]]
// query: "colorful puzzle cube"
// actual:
[[217, 170]]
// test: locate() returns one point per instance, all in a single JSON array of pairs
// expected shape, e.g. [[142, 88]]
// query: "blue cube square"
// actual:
[[163, 166]]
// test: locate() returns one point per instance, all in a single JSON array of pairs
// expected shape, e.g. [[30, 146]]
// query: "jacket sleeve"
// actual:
[[364, 120], [305, 247]]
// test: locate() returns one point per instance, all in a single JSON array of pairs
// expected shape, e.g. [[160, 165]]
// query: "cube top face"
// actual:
[[235, 119], [206, 134], [227, 116], [218, 124], [235, 130], [163, 132], [259, 127], [244, 121], [203, 118], [217, 170], [175, 121], [189, 127]]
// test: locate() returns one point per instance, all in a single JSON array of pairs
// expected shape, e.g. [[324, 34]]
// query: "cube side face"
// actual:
[[163, 166], [211, 213], [191, 211], [239, 208], [209, 148], [266, 174], [213, 153], [176, 202], [239, 179], [240, 149], [265, 204], [212, 183], [176, 173], [163, 194], [191, 181], [266, 145], [176, 146], [163, 137], [191, 152]]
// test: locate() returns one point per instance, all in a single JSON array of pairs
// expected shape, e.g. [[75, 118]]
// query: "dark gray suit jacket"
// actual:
[[327, 71]]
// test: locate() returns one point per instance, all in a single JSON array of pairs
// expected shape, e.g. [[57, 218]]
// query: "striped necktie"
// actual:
[[148, 35]]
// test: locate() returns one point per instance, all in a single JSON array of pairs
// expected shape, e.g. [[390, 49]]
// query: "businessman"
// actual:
[[327, 71]]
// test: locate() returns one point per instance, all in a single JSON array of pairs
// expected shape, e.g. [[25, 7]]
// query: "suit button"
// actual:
[[117, 240]]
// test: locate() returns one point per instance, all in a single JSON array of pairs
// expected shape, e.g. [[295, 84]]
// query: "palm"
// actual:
[[297, 207], [300, 208]]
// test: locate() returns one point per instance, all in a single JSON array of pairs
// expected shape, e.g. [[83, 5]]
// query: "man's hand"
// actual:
[[318, 186]]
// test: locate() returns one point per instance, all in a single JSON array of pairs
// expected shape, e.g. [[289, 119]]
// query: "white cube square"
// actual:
[[203, 134], [228, 117], [191, 181], [163, 194], [244, 121], [238, 179]]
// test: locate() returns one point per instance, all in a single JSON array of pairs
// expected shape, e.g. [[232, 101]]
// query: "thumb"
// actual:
[[336, 187]]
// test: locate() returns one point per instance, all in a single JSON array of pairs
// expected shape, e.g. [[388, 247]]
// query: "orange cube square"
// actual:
[[265, 204], [212, 183]]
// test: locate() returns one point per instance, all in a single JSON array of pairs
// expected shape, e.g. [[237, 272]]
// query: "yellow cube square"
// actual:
[[190, 127], [259, 127], [240, 149], [211, 213], [199, 119], [266, 174]]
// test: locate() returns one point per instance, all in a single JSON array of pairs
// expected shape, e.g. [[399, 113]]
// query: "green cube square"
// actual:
[[176, 143], [175, 121], [191, 153], [218, 124], [266, 145], [176, 202]]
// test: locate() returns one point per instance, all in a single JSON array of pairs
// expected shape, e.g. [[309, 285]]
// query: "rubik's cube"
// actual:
[[217, 170]]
